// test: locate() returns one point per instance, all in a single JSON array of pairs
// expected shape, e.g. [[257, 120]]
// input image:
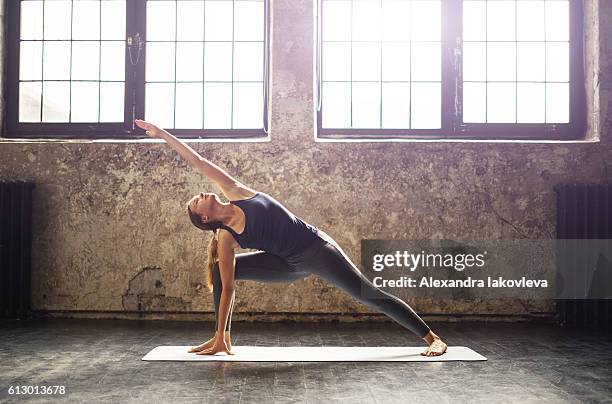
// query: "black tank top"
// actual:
[[271, 227]]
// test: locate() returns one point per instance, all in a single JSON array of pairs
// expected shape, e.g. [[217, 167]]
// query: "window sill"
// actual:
[[145, 141], [448, 140]]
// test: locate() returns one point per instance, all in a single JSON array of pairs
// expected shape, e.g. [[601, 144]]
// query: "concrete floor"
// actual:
[[99, 361]]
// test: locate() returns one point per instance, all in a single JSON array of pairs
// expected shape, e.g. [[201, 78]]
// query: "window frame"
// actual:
[[134, 94], [452, 127]]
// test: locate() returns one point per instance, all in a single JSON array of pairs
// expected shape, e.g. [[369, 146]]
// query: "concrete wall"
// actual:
[[111, 235]]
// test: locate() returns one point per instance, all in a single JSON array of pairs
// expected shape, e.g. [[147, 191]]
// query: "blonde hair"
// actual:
[[213, 245], [213, 257]]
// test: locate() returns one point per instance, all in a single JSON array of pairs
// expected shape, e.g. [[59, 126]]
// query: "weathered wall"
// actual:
[[110, 232]]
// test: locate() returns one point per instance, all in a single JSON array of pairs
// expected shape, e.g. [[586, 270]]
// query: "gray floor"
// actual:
[[99, 361]]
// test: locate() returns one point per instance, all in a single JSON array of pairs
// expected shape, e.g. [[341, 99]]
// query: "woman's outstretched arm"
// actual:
[[215, 173]]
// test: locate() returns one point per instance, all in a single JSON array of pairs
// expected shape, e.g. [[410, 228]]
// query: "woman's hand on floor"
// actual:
[[219, 346], [150, 129]]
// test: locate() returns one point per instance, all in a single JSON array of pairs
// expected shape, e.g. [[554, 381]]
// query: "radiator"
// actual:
[[584, 211], [15, 248]]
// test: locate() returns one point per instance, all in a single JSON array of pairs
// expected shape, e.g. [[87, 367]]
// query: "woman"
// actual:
[[289, 249]]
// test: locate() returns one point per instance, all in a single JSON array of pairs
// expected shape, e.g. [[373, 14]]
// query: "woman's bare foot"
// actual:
[[436, 345], [211, 342]]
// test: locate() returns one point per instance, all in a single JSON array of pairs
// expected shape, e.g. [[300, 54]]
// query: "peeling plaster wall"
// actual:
[[111, 235]]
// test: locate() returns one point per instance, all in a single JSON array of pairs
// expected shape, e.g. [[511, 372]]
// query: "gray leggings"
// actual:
[[325, 259]]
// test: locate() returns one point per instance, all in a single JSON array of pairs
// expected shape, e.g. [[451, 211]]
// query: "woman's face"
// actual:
[[204, 204]]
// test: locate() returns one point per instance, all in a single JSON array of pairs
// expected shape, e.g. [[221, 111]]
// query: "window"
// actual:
[[502, 69], [87, 68], [71, 59], [516, 66]]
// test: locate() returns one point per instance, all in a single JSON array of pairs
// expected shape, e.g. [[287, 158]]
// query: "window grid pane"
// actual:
[[213, 73], [381, 64], [516, 61], [66, 50]]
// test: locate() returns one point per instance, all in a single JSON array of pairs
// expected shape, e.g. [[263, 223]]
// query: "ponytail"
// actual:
[[213, 257]]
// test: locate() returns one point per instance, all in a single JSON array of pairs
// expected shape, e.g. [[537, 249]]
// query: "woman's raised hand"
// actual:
[[150, 129]]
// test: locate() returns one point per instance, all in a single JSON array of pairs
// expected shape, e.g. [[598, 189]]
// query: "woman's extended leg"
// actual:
[[255, 266], [333, 265]]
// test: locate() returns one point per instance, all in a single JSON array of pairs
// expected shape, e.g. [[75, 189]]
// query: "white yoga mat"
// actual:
[[315, 354]]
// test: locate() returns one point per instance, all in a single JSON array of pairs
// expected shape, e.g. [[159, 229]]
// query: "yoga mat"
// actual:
[[315, 354]]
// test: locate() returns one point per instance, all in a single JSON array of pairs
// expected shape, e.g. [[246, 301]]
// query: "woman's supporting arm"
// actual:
[[209, 169], [227, 264]]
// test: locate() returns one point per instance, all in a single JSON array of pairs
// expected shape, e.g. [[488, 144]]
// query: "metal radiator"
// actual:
[[584, 211], [15, 248]]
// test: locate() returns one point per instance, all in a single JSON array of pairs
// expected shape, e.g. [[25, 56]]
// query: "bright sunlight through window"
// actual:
[[516, 61], [72, 61], [205, 63]]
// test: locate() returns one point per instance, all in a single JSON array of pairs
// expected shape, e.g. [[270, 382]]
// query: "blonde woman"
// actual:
[[288, 249]]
